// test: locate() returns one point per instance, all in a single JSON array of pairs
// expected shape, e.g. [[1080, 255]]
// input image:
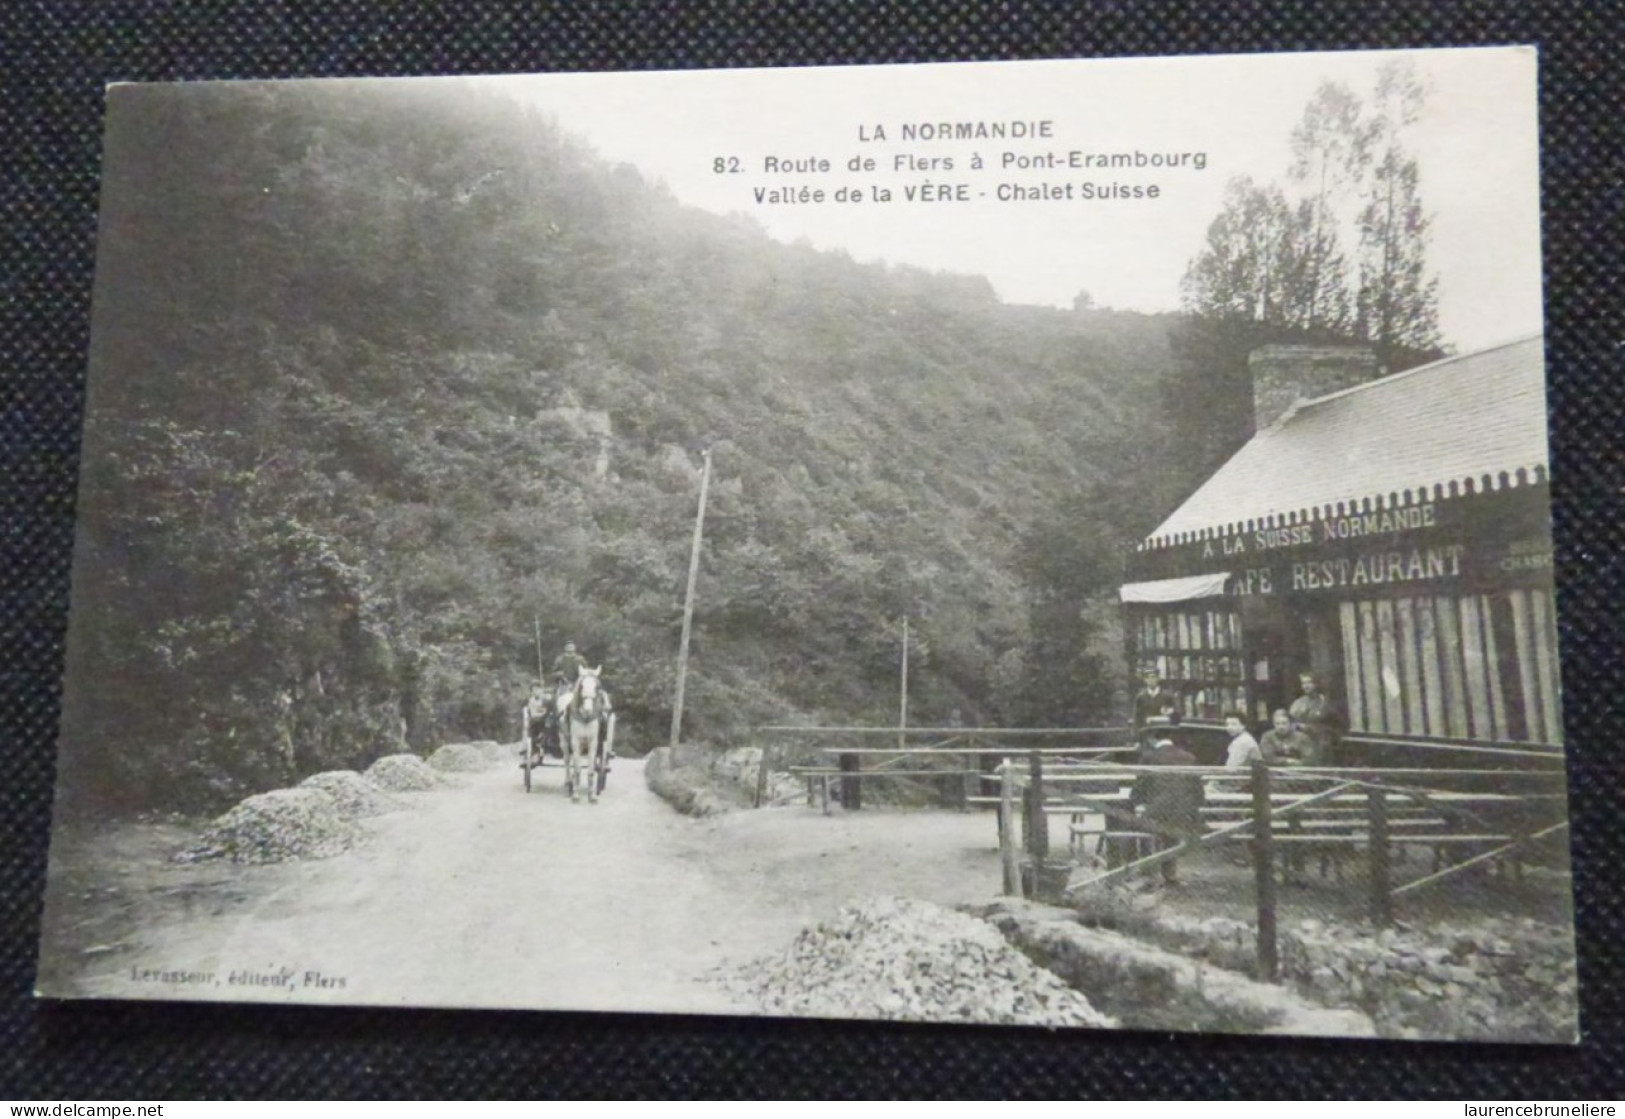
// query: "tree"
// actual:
[[1398, 300], [1068, 558], [1267, 261], [1207, 396], [1243, 269], [1272, 267], [1330, 152], [1316, 299], [1254, 281]]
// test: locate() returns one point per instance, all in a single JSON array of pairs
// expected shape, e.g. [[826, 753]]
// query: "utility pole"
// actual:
[[688, 601], [902, 699], [541, 672]]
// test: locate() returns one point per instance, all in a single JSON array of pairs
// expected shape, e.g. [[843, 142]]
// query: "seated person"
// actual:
[[539, 720], [1244, 748], [1286, 744]]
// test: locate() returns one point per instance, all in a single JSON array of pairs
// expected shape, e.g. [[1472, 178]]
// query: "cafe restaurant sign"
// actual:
[[1477, 542]]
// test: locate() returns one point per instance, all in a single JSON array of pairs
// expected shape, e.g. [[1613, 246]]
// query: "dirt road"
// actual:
[[482, 895]]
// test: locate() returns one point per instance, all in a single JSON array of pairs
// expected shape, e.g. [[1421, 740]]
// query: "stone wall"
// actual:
[[1500, 978], [1151, 988], [687, 788], [701, 781]]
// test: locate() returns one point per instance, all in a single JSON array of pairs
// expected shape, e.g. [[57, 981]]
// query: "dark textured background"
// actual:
[[58, 55]]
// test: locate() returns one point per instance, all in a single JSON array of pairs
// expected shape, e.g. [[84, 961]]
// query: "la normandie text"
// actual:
[[927, 131]]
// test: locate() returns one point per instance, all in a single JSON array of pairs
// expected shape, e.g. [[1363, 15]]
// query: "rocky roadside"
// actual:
[[1152, 988], [1493, 979], [698, 781]]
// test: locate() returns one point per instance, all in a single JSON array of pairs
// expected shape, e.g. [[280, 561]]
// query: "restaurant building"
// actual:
[[1390, 535]]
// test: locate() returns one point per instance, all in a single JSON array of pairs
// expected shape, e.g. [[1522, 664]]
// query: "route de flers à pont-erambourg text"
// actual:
[[946, 162]]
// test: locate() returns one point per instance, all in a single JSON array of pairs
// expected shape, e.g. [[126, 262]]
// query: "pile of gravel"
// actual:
[[461, 757], [355, 796], [274, 826], [403, 773], [913, 961]]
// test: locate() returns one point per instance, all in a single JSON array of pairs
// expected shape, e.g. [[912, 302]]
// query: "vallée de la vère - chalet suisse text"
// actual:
[[1024, 162]]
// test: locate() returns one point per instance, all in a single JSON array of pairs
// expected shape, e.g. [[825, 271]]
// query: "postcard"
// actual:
[[1061, 544]]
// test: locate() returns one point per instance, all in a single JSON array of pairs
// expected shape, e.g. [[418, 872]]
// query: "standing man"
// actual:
[[1315, 714], [1154, 701], [1168, 804]]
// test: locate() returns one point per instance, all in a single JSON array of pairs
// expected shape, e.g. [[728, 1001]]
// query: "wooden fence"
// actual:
[[948, 754], [1504, 800], [1467, 817]]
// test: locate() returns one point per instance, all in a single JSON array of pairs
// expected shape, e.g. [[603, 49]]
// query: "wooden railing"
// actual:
[[942, 753], [1482, 814]]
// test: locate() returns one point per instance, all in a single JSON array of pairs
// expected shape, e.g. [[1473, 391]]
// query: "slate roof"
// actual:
[[1450, 421]]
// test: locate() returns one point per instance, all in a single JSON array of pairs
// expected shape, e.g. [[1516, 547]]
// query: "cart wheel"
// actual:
[[603, 777], [525, 765]]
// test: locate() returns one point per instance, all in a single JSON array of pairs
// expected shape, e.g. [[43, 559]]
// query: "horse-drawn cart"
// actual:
[[577, 727]]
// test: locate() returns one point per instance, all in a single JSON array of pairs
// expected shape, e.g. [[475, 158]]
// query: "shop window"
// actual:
[[1198, 655], [1477, 667]]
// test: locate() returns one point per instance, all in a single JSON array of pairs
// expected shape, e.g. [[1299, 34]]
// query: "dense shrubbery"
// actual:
[[380, 380]]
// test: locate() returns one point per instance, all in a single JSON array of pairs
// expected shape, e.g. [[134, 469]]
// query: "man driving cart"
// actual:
[[567, 665]]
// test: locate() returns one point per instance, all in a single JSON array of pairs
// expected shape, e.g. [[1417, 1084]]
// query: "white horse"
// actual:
[[586, 720]]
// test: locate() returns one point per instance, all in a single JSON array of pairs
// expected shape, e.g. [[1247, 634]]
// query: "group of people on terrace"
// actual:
[[1306, 733]]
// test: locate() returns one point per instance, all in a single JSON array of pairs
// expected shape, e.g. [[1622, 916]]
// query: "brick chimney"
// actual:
[[1284, 375]]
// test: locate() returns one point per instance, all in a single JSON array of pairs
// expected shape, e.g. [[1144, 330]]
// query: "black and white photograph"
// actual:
[[1056, 543]]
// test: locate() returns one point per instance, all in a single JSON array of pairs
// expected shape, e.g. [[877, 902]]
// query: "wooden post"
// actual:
[[1377, 817], [1264, 872], [1007, 829], [1295, 858], [1037, 820], [902, 696], [970, 778], [761, 777], [541, 671], [851, 786], [688, 603]]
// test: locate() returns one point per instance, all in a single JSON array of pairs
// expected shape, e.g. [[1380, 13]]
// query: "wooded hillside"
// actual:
[[379, 376]]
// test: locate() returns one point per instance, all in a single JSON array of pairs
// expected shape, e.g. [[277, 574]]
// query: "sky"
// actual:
[[1476, 144]]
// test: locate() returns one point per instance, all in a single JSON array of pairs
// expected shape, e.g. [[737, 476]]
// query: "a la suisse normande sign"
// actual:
[[1470, 543]]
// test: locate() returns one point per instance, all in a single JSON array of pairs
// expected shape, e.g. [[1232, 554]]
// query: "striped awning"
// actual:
[[1176, 590]]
